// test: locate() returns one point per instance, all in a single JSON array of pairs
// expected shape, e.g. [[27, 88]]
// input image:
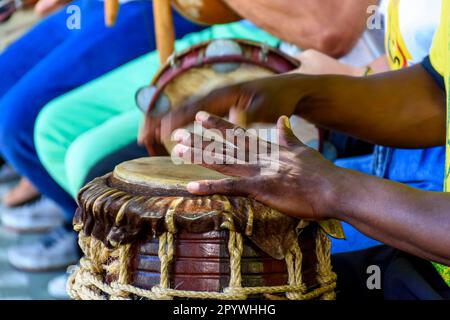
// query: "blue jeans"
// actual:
[[419, 168], [51, 60]]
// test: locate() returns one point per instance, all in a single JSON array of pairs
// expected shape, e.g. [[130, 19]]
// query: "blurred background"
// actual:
[[15, 284]]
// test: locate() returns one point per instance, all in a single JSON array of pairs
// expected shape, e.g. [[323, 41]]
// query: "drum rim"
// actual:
[[168, 73]]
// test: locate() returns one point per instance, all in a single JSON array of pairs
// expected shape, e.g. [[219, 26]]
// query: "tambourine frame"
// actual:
[[260, 55]]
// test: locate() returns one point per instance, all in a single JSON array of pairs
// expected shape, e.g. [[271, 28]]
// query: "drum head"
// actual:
[[162, 173], [201, 81]]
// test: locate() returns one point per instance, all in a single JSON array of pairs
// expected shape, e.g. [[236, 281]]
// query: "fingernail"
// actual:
[[202, 116], [287, 123], [193, 186]]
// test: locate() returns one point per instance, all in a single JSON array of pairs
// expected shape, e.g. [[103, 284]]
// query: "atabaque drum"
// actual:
[[207, 66], [144, 236]]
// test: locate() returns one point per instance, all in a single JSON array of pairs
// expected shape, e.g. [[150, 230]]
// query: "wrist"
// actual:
[[339, 193], [304, 89]]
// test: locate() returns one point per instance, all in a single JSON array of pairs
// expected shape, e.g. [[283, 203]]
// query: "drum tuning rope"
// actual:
[[324, 269], [88, 281]]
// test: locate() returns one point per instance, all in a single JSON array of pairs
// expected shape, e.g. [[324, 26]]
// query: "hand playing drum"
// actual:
[[300, 181]]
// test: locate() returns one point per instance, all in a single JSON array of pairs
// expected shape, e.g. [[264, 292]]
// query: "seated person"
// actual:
[[415, 222], [48, 61], [24, 193], [313, 62], [409, 35], [76, 132]]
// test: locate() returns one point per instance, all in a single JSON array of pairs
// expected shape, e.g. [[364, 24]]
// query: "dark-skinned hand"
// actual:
[[302, 186]]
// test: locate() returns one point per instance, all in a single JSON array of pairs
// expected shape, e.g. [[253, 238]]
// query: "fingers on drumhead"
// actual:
[[226, 186]]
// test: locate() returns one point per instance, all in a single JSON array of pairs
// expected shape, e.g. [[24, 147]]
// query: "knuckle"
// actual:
[[230, 185], [209, 186]]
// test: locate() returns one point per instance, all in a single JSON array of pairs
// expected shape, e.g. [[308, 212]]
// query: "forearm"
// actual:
[[409, 219], [403, 109], [330, 26]]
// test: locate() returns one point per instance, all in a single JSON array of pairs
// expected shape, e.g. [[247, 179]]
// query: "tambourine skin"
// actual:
[[144, 236], [206, 12], [196, 72]]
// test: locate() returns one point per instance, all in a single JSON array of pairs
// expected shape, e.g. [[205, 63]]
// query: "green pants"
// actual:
[[76, 130]]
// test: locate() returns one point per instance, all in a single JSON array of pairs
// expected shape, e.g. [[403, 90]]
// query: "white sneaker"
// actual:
[[54, 251], [39, 216], [57, 287]]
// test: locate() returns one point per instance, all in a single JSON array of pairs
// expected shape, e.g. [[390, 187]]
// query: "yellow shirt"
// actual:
[[440, 62], [396, 49], [409, 32]]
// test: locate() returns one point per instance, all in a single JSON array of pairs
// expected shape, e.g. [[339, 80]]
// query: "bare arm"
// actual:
[[410, 219], [404, 109], [329, 26]]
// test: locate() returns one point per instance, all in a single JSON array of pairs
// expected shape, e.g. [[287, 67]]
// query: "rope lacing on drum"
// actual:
[[88, 281]]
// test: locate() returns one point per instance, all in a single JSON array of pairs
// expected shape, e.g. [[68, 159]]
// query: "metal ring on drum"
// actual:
[[221, 48], [144, 97]]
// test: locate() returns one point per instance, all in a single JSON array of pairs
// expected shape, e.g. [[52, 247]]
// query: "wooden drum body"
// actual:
[[144, 236]]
